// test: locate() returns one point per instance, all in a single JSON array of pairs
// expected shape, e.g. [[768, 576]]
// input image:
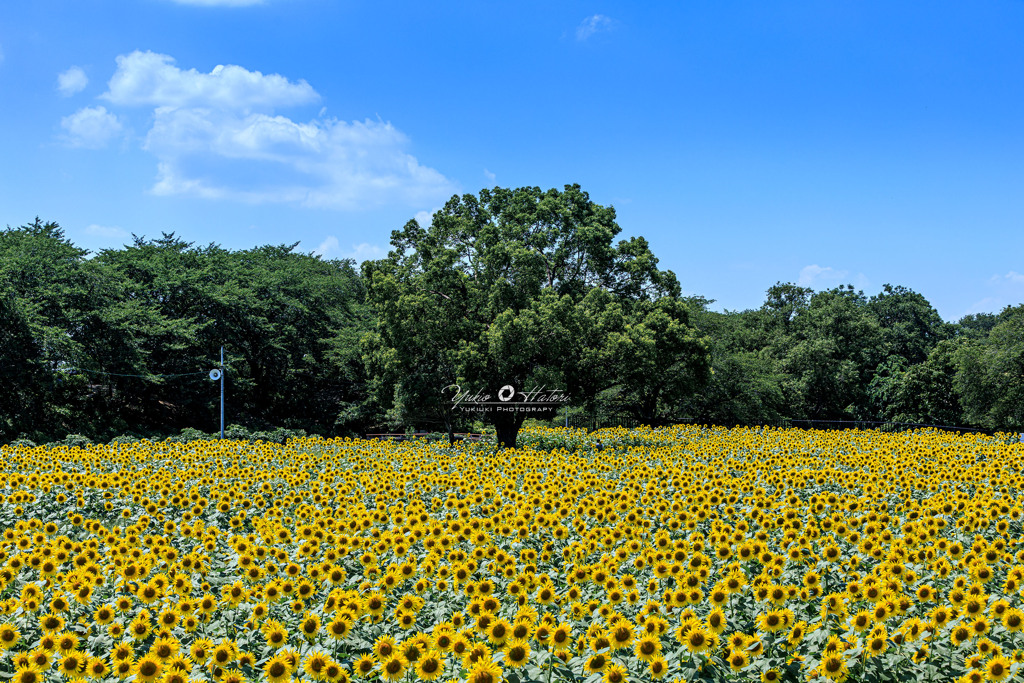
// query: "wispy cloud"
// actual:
[[595, 23], [1011, 278], [988, 304], [1003, 290], [105, 231], [490, 176], [825, 277], [425, 218], [91, 128], [366, 252], [813, 275], [72, 81], [331, 248], [219, 135]]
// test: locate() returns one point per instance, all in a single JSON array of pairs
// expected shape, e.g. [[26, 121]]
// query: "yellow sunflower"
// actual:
[[148, 669], [277, 669], [484, 671], [430, 666]]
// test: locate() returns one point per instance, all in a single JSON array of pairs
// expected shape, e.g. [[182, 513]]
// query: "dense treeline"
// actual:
[[838, 355], [119, 342]]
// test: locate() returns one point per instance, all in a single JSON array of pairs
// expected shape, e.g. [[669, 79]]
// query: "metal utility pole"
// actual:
[[218, 374], [222, 393]]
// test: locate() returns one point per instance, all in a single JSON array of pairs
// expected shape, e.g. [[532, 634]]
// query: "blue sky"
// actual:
[[749, 142]]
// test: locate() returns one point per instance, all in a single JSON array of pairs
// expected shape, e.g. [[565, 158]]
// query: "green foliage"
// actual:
[[234, 431], [746, 384], [188, 435], [77, 441], [524, 288], [281, 435], [908, 325], [990, 376], [925, 392], [123, 341], [47, 303], [660, 358], [976, 325], [833, 351], [837, 355]]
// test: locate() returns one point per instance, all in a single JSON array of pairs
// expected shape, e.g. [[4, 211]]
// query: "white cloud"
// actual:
[[72, 81], [819, 278], [1011, 278], [490, 176], [260, 158], [425, 218], [1004, 290], [216, 136], [811, 276], [148, 78], [331, 248], [91, 127], [593, 24], [366, 252], [105, 231]]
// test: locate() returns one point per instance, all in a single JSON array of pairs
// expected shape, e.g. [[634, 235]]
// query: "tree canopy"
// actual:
[[526, 288], [121, 342]]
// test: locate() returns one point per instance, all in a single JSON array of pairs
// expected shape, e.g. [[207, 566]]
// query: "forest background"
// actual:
[[119, 343]]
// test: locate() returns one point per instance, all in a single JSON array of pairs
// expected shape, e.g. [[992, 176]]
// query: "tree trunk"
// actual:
[[507, 434], [449, 427], [506, 427]]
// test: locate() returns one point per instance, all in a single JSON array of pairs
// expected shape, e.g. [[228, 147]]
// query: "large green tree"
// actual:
[[525, 288]]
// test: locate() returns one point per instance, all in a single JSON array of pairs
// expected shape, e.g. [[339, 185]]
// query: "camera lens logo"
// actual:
[[506, 393]]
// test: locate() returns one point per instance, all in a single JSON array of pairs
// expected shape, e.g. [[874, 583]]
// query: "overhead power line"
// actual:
[[121, 374]]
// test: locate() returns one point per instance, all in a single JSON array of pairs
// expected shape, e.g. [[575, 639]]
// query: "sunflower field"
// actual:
[[684, 553]]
